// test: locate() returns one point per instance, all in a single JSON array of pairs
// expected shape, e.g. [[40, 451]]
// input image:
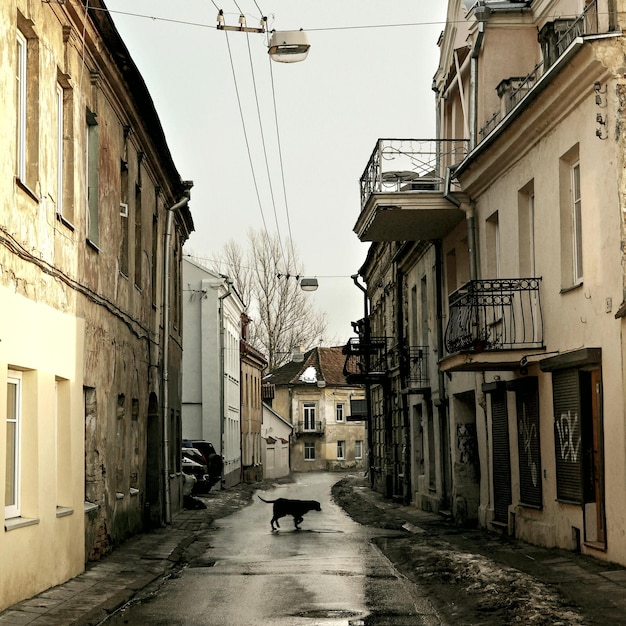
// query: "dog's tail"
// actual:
[[266, 501]]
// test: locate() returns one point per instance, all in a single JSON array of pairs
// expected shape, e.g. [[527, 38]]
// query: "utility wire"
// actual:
[[267, 165], [280, 160], [245, 134]]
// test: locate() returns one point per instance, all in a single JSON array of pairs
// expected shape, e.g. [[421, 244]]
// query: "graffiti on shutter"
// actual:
[[567, 435], [528, 442]]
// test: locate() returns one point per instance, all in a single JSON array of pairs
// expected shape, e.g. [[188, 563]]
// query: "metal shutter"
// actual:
[[501, 456], [567, 435], [527, 403]]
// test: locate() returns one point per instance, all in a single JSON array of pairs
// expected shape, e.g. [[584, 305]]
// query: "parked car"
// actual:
[[212, 461], [193, 462]]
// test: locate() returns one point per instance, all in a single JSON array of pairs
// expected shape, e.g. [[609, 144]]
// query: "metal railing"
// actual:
[[365, 358], [490, 315], [377, 358], [410, 165], [308, 428], [586, 23], [415, 367]]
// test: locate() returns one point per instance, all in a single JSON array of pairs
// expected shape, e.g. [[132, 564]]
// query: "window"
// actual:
[[308, 411], [339, 411], [138, 224], [341, 450], [571, 220], [138, 236], [577, 257], [92, 177], [13, 440], [358, 449], [526, 229], [63, 443], [309, 451], [124, 216], [27, 106], [155, 257], [21, 77], [60, 151], [493, 245]]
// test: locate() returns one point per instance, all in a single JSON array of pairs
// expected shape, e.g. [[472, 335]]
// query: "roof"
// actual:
[[318, 364]]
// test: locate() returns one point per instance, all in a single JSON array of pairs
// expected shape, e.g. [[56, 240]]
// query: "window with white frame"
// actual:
[[13, 445], [577, 245], [309, 410], [20, 103], [309, 451], [340, 411], [358, 449], [341, 449], [60, 151], [570, 211]]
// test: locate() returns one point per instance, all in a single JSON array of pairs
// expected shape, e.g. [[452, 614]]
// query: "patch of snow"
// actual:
[[309, 375]]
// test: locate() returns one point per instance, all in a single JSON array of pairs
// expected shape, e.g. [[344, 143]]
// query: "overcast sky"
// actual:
[[361, 81]]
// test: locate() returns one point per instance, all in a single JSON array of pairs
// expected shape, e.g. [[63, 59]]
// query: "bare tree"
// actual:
[[266, 277]]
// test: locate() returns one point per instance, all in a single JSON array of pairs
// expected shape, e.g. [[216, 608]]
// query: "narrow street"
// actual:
[[327, 573]]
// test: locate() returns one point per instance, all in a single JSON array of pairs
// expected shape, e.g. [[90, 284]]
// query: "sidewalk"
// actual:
[[479, 577], [140, 562], [472, 575]]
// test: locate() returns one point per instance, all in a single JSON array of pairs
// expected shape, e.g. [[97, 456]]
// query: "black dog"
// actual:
[[297, 508]]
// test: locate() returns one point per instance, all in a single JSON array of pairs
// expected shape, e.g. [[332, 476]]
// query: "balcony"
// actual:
[[555, 38], [493, 324], [366, 360], [414, 368], [402, 190], [373, 361], [313, 427]]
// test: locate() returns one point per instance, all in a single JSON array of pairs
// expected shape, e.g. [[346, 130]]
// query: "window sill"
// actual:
[[65, 222], [19, 522], [64, 511], [90, 506], [24, 187], [93, 245], [571, 288]]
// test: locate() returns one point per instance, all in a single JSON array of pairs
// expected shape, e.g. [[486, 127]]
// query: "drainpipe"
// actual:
[[480, 35], [169, 231], [221, 299], [470, 220], [368, 400]]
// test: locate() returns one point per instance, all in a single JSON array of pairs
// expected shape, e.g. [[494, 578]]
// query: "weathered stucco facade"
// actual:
[[90, 252], [515, 216]]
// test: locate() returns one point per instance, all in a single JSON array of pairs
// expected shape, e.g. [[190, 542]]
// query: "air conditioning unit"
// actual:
[[123, 209]]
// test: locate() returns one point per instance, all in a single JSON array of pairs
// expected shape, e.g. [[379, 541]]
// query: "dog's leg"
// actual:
[[296, 521]]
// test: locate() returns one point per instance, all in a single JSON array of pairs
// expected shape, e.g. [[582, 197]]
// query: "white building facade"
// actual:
[[211, 408]]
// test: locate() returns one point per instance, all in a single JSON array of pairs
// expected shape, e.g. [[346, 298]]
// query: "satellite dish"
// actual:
[[289, 46]]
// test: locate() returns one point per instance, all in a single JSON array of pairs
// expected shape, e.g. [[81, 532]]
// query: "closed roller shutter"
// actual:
[[501, 456], [527, 404], [567, 435]]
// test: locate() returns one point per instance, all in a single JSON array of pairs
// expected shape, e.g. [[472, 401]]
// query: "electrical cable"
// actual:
[[267, 165], [243, 123]]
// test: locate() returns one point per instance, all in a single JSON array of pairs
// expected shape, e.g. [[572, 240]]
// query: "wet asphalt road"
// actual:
[[328, 573]]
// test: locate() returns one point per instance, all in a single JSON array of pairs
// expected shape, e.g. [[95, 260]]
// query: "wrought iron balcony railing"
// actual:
[[410, 165], [310, 428], [366, 360], [415, 367], [376, 359], [587, 23], [490, 315]]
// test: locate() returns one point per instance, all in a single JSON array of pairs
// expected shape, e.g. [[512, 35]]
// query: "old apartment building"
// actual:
[[312, 393], [93, 217], [493, 345]]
